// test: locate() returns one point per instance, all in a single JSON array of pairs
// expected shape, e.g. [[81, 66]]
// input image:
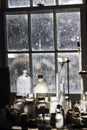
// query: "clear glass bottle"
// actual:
[[40, 86]]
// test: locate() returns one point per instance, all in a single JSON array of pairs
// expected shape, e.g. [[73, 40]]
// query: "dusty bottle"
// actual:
[[40, 86]]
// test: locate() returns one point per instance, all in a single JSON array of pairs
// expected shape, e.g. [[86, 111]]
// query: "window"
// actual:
[[38, 40], [17, 63], [43, 2], [42, 32], [28, 3], [67, 2], [44, 63], [74, 78], [17, 30], [18, 3], [68, 29]]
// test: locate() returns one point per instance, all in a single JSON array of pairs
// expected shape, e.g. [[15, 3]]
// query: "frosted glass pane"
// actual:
[[44, 64], [68, 29], [43, 2], [67, 2], [17, 63], [74, 77], [17, 32], [42, 32], [18, 3]]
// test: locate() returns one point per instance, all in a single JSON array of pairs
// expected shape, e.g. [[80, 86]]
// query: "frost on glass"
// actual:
[[74, 77], [43, 2], [44, 64], [17, 63], [17, 32], [66, 2], [68, 29], [18, 3], [42, 32]]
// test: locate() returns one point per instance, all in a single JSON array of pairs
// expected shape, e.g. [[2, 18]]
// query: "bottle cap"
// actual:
[[40, 76], [58, 106]]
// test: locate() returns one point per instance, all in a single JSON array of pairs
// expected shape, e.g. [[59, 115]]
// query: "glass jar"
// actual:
[[40, 106]]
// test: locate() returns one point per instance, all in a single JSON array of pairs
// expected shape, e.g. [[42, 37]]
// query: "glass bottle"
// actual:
[[39, 120], [59, 119], [47, 119], [53, 106], [40, 86]]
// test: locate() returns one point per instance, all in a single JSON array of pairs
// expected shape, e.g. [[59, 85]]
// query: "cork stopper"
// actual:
[[40, 76]]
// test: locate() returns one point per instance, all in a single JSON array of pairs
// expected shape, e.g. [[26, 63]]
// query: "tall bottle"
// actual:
[[59, 118], [40, 86]]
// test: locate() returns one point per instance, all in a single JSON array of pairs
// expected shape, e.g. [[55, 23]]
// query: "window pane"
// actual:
[[17, 32], [44, 64], [18, 3], [43, 2], [74, 77], [17, 63], [68, 29], [66, 2], [42, 32]]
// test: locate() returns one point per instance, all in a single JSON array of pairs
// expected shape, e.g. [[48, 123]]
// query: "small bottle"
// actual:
[[59, 119], [53, 106], [39, 120], [47, 119]]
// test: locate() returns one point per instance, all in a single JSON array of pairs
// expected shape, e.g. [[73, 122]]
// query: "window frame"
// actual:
[[29, 10]]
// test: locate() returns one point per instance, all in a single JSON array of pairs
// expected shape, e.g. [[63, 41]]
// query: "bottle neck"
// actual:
[[40, 79]]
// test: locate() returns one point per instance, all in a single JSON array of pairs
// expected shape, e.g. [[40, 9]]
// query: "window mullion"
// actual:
[[30, 46]]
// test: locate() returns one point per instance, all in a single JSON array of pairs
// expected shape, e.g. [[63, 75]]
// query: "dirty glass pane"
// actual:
[[68, 29], [73, 73], [43, 2], [42, 35], [66, 2], [44, 64], [17, 63], [18, 3], [17, 32]]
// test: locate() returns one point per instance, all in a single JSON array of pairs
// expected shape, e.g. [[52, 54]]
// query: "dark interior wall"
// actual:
[[2, 36], [84, 48], [4, 86], [4, 71]]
